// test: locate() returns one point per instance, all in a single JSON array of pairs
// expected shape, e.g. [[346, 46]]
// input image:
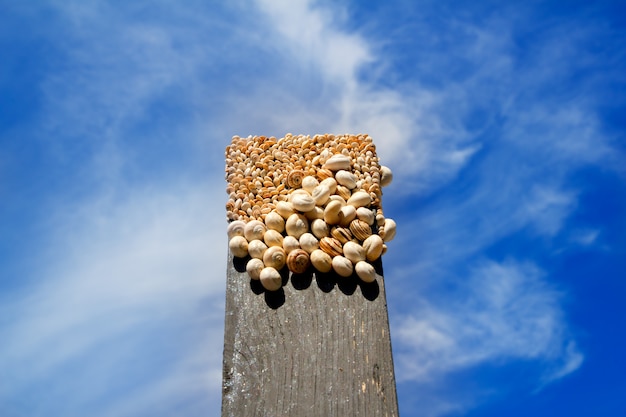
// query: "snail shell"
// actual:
[[385, 176], [345, 178], [319, 228], [256, 248], [296, 225], [346, 215], [309, 183], [316, 213], [322, 174], [373, 246], [364, 214], [342, 234], [275, 257], [308, 242], [343, 192], [273, 238], [388, 231], [321, 260], [238, 245], [285, 209], [290, 243], [331, 212], [360, 199], [331, 246], [365, 271], [236, 228], [275, 221], [271, 279], [254, 229], [321, 194], [337, 162], [360, 229], [354, 252], [342, 266], [298, 261], [254, 268], [303, 202], [331, 183], [294, 178]]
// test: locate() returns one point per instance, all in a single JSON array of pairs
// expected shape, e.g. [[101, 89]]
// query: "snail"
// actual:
[[321, 260], [337, 162], [303, 202], [365, 271], [309, 242], [309, 183], [319, 228], [385, 176], [236, 228], [275, 221], [254, 268], [342, 266], [290, 243], [360, 229], [254, 229], [238, 245], [275, 257], [373, 246], [345, 178], [360, 199], [271, 279], [296, 225], [256, 248], [354, 252], [331, 246], [298, 261], [273, 238], [294, 178]]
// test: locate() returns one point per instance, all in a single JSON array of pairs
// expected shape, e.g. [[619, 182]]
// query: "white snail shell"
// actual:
[[275, 221], [309, 242], [254, 229], [385, 176], [238, 245], [296, 225], [256, 248], [309, 183], [342, 266], [275, 257], [345, 178], [331, 212], [321, 194], [331, 183], [285, 209], [290, 243], [271, 279], [346, 215], [354, 252], [321, 260], [337, 162], [254, 268], [236, 228], [364, 214], [303, 202], [316, 213], [389, 230], [360, 199], [373, 246], [273, 238], [319, 228], [365, 271]]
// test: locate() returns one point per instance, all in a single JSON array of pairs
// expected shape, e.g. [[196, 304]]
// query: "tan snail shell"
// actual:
[[290, 243], [342, 266], [238, 246], [275, 221], [285, 209], [365, 271], [331, 183], [331, 212], [319, 228], [309, 242], [354, 252], [364, 214], [303, 202], [254, 268], [256, 248], [309, 183], [236, 228], [385, 176], [298, 261], [296, 225], [275, 257], [271, 279], [345, 178], [254, 229], [321, 194], [337, 162], [360, 229], [373, 246], [331, 246], [380, 220], [273, 238], [342, 234], [294, 178], [343, 192], [346, 215], [321, 260], [388, 231], [360, 199]]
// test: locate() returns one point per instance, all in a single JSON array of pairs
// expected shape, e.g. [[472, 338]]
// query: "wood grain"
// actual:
[[320, 346]]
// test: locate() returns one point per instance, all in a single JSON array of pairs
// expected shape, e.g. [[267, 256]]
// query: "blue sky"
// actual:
[[504, 125]]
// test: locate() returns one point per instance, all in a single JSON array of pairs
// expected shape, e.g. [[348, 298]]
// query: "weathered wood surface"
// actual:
[[318, 347]]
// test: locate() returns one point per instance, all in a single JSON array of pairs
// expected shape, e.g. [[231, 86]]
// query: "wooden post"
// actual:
[[319, 346]]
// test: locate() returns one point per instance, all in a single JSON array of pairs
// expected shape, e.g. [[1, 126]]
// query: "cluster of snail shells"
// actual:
[[328, 223]]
